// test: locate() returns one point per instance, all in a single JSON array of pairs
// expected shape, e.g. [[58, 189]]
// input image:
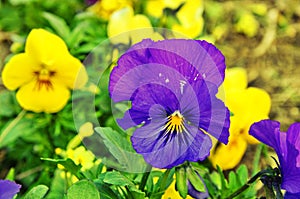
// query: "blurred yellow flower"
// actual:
[[155, 7], [247, 24], [171, 192], [190, 19], [105, 8], [81, 156], [248, 105], [125, 27], [44, 73]]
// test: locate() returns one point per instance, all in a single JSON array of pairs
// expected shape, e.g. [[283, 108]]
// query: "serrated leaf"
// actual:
[[69, 166], [83, 189], [116, 178], [122, 150], [37, 192], [58, 24]]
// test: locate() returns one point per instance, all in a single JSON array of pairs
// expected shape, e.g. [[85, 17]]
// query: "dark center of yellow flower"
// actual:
[[175, 123], [43, 78]]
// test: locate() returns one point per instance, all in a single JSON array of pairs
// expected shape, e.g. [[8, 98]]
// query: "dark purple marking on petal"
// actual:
[[166, 150]]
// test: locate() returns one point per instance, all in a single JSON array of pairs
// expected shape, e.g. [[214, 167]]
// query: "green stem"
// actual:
[[11, 125], [257, 158], [145, 177], [247, 185], [164, 180]]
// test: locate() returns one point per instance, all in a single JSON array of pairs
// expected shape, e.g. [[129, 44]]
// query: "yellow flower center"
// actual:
[[43, 78], [175, 123]]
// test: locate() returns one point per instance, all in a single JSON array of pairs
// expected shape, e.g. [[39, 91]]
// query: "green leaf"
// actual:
[[37, 192], [76, 35], [137, 194], [69, 166], [83, 189], [242, 173], [195, 180], [181, 182], [20, 126], [58, 24], [9, 106], [122, 150], [232, 181], [116, 178], [105, 190], [224, 184], [58, 185]]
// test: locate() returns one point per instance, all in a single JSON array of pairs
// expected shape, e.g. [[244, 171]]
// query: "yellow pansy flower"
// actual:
[[125, 27], [105, 8], [44, 73], [171, 192], [248, 105]]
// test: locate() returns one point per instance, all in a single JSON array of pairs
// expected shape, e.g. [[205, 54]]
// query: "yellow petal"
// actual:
[[18, 71], [258, 101], [119, 23], [69, 71], [45, 47], [228, 156], [248, 106], [155, 8], [86, 130], [49, 100], [235, 78], [190, 11], [140, 28], [190, 30]]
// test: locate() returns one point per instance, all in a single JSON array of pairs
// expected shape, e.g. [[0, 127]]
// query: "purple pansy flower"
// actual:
[[171, 85], [8, 189], [287, 147]]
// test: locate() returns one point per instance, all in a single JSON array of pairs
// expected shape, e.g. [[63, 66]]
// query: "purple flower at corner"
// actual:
[[287, 147], [90, 2], [171, 85], [8, 189]]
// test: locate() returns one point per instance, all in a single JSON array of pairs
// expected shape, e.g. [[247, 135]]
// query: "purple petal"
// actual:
[[8, 189], [268, 132], [90, 2], [286, 146], [289, 195], [293, 136], [290, 166], [192, 59]]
